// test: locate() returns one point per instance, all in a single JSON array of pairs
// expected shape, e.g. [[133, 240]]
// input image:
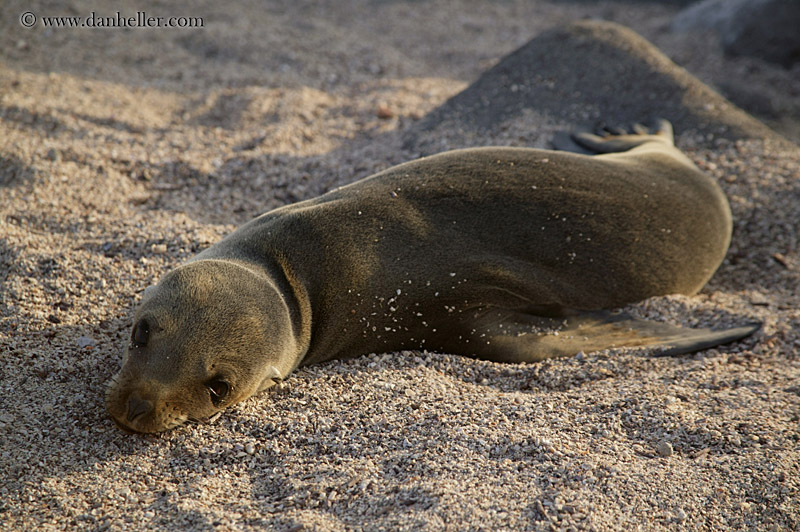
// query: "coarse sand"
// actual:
[[124, 151]]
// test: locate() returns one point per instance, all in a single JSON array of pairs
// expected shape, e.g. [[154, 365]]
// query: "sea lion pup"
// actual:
[[507, 254]]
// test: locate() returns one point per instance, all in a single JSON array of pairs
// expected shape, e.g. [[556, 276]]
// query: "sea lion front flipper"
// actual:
[[519, 337], [635, 332], [700, 339]]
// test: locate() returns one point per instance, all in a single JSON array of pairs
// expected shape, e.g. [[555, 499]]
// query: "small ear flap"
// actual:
[[149, 291], [272, 378], [274, 374]]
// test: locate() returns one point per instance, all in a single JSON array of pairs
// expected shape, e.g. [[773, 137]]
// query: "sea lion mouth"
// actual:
[[136, 411], [125, 428], [155, 424]]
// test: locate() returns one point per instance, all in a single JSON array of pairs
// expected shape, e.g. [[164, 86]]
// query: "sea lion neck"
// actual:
[[273, 278]]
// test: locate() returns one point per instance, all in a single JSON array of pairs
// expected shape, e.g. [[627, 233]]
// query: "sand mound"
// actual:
[[588, 73]]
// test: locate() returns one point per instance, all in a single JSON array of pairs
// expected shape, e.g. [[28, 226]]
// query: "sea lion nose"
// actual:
[[138, 407]]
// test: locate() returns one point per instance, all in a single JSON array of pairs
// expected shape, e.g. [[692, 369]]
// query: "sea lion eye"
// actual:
[[219, 390], [140, 334]]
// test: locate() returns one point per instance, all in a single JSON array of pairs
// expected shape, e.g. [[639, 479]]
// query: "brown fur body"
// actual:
[[481, 252]]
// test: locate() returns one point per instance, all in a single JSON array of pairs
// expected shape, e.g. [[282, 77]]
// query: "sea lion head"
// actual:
[[210, 334]]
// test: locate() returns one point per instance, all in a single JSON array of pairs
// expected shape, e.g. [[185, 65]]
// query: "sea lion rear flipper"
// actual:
[[518, 337], [564, 141], [615, 139]]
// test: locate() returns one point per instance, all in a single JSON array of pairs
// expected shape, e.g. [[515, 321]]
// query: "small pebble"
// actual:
[[664, 449], [384, 112], [85, 341]]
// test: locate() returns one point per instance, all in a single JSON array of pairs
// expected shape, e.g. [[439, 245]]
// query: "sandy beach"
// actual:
[[125, 151]]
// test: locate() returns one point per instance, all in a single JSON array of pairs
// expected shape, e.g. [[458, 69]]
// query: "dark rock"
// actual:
[[768, 29]]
